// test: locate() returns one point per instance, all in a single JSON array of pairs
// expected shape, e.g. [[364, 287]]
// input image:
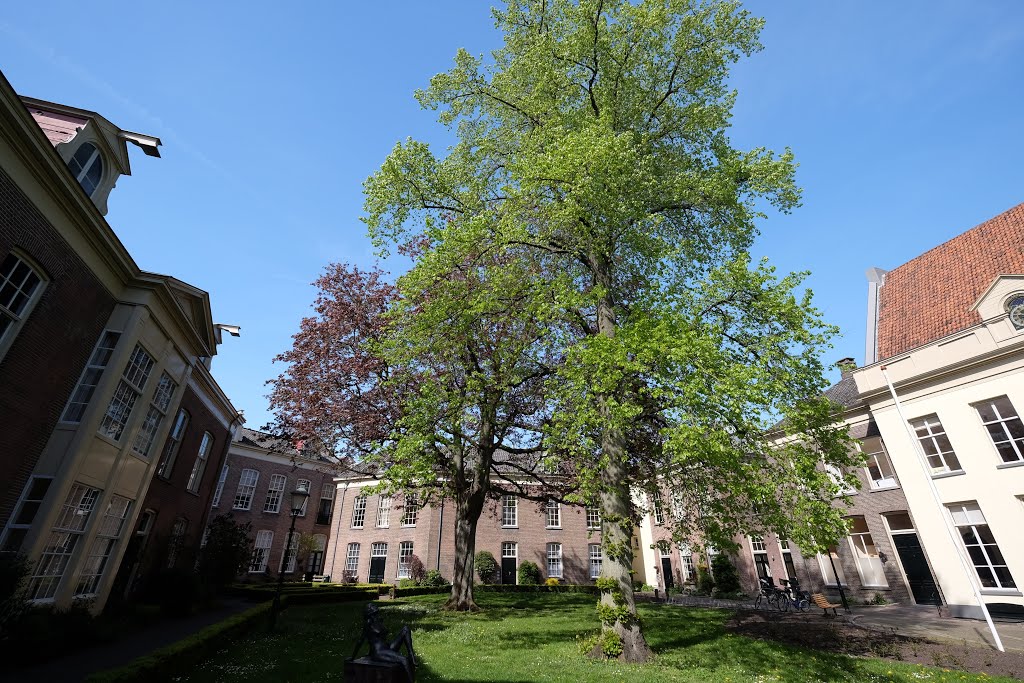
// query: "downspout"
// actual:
[[440, 529], [337, 532], [968, 570]]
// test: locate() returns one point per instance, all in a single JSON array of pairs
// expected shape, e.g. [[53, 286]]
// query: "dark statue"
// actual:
[[383, 651]]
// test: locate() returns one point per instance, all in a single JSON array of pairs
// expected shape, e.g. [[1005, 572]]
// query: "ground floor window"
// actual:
[[981, 546], [290, 554], [686, 561], [107, 537], [404, 551], [826, 562], [68, 530], [555, 560], [787, 559], [596, 560], [869, 564], [261, 551], [352, 559], [760, 552]]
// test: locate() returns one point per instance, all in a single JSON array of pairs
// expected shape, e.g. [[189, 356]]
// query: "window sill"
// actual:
[[509, 526], [271, 512], [357, 527], [240, 509], [408, 526], [894, 487], [1008, 465], [1004, 592], [192, 493], [944, 475], [875, 588]]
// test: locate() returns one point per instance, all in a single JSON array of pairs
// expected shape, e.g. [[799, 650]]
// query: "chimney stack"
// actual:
[[846, 366]]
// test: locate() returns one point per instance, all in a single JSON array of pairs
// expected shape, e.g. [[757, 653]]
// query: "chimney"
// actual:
[[846, 366]]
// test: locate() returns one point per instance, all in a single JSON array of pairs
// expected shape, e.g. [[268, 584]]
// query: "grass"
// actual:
[[533, 638]]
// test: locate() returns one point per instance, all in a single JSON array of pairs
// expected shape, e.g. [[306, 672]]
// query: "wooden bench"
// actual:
[[822, 602]]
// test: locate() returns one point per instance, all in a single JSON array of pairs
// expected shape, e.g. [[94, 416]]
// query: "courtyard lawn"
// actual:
[[532, 637]]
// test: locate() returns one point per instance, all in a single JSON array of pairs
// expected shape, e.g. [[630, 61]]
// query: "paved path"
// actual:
[[924, 622], [75, 666]]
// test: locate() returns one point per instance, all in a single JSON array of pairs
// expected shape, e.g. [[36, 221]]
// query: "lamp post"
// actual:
[[299, 496]]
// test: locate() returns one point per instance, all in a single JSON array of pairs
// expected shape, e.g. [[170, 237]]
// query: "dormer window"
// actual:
[[1015, 309], [87, 166]]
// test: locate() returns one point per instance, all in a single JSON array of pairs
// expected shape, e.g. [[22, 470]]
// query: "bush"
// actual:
[[486, 567], [434, 579], [407, 583], [529, 574], [551, 581], [537, 588], [726, 579], [227, 551], [416, 569], [705, 583], [14, 570]]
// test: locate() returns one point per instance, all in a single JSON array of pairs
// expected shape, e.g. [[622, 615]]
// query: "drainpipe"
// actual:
[[922, 460], [440, 529], [337, 533]]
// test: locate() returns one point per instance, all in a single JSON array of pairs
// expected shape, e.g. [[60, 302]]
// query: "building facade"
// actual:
[[95, 353], [255, 485]]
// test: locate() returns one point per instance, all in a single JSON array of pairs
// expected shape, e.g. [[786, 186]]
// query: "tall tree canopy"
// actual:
[[593, 148]]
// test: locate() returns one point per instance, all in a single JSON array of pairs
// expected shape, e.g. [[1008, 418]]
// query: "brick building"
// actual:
[[254, 485], [373, 534], [95, 353]]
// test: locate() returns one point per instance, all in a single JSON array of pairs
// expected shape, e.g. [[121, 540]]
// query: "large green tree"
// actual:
[[593, 147]]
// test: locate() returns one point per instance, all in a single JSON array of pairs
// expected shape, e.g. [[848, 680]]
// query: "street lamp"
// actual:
[[299, 496]]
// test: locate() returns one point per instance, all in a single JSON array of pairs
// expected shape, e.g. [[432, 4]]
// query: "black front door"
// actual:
[[915, 566], [316, 561], [508, 570], [666, 571], [377, 565]]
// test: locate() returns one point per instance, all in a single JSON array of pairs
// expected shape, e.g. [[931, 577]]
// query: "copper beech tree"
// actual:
[[442, 401]]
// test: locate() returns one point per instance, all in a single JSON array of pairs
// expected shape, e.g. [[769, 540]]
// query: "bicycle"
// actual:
[[770, 595], [792, 596]]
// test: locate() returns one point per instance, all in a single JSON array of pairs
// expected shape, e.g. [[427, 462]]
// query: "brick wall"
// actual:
[[278, 523], [43, 364]]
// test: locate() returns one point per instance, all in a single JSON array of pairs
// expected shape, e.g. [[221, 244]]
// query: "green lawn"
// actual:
[[532, 638]]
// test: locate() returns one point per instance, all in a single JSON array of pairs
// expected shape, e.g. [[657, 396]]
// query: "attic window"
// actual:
[[87, 166], [1015, 307]]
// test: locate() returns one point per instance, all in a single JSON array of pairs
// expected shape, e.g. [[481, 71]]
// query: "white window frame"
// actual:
[[195, 479], [826, 567], [159, 404], [326, 493], [261, 551], [275, 492], [108, 535], [90, 378], [219, 491], [20, 522], [758, 551], [383, 512], [594, 518], [352, 559], [411, 512], [509, 512], [405, 549], [173, 444], [933, 431], [657, 509], [247, 482], [1000, 423], [968, 516], [880, 462], [507, 546], [67, 533], [554, 560], [359, 512], [305, 501], [178, 531], [596, 559], [82, 172], [133, 382], [553, 515], [867, 563], [291, 553], [17, 319]]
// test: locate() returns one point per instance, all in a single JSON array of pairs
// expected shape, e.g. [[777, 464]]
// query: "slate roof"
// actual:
[[931, 296], [844, 392]]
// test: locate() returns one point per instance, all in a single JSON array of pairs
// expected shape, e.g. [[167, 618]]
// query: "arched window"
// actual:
[[1015, 307], [87, 167]]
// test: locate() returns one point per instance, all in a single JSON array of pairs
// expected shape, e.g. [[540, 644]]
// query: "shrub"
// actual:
[[486, 567], [646, 588], [416, 569], [705, 583], [227, 551], [14, 570], [551, 581], [528, 574], [434, 579], [407, 583], [726, 578]]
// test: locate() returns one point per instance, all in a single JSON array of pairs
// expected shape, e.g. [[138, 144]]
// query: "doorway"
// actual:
[[666, 569], [509, 556], [378, 562], [912, 559]]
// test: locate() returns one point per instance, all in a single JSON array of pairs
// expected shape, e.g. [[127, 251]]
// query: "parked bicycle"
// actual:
[[793, 597]]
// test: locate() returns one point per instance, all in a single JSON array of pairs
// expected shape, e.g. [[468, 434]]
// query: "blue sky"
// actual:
[[905, 118]]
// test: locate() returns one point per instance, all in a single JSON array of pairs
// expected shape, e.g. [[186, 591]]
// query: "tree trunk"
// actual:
[[616, 503], [461, 599]]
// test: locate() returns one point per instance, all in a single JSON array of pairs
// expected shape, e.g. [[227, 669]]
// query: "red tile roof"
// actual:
[[931, 296]]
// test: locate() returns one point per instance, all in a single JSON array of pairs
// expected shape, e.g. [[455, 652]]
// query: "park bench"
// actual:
[[822, 602]]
